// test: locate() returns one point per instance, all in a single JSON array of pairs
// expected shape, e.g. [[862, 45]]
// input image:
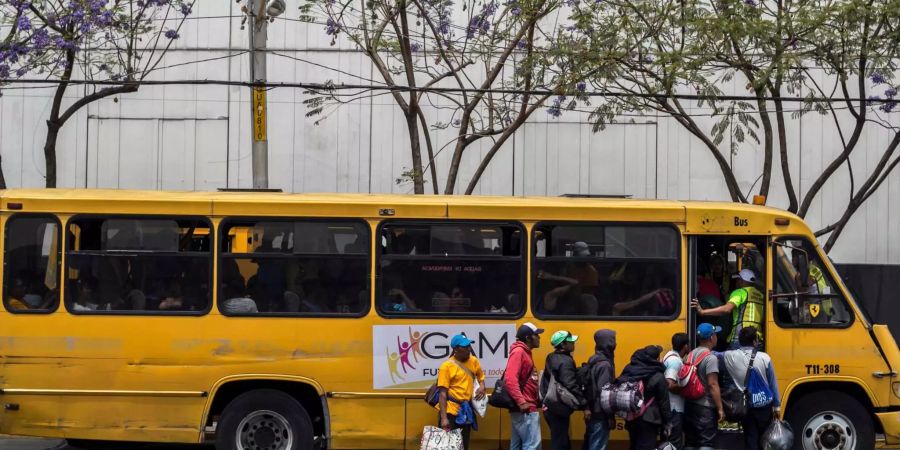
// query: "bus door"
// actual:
[[725, 269]]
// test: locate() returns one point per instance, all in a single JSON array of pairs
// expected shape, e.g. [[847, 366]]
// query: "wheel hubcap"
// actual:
[[829, 431], [264, 430]]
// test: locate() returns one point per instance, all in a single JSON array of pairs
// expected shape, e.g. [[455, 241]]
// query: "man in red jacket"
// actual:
[[521, 380]]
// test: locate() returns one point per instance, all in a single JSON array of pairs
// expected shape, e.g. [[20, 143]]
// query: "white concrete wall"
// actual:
[[198, 138]]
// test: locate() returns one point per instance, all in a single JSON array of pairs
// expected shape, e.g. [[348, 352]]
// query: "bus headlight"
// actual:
[[896, 386]]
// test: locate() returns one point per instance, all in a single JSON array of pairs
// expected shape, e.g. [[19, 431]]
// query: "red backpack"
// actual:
[[689, 380]]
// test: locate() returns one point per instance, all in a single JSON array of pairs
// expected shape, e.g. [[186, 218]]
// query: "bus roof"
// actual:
[[697, 216]]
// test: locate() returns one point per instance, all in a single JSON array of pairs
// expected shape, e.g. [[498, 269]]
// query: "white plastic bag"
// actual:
[[480, 406], [434, 438]]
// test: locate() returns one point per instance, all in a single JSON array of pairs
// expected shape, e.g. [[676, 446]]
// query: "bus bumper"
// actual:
[[890, 422]]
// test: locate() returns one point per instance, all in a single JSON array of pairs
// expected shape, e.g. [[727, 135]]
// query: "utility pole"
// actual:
[[258, 16]]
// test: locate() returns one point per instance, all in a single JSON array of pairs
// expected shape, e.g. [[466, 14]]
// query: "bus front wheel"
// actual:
[[264, 419], [831, 420]]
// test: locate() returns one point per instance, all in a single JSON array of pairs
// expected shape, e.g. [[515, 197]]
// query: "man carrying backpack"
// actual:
[[521, 381], [673, 361], [600, 370], [561, 368], [655, 413], [702, 415], [758, 382]]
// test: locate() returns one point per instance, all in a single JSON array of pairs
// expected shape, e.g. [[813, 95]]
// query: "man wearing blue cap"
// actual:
[[456, 381], [702, 416]]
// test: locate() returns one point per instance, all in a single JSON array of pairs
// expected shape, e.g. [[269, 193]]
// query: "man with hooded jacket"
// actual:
[[600, 370], [521, 381], [645, 367]]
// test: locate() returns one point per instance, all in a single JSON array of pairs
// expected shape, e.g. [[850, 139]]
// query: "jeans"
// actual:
[[676, 437], [526, 431], [559, 431], [642, 435], [700, 426], [755, 424], [596, 434]]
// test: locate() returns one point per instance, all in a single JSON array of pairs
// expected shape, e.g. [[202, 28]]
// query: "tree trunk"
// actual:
[[767, 143], [50, 152], [2, 178], [783, 151], [412, 124]]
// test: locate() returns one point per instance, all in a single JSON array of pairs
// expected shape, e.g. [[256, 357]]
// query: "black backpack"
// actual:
[[587, 378]]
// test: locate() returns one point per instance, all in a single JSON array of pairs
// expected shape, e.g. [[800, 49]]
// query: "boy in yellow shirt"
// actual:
[[456, 383]]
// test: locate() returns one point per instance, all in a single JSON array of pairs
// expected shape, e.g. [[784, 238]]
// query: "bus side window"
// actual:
[[806, 294], [31, 269], [294, 268], [597, 270], [138, 265], [455, 268]]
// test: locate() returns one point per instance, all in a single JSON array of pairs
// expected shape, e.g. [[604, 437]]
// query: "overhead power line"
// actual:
[[324, 87]]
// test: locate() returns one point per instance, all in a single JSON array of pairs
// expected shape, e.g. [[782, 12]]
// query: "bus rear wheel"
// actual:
[[831, 420], [264, 419]]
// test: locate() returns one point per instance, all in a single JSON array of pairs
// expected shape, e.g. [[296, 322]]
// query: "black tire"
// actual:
[[838, 403], [252, 405]]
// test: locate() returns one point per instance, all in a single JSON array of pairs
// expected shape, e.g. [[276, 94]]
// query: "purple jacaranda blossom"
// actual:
[[877, 78], [332, 28], [40, 45], [555, 109], [24, 23]]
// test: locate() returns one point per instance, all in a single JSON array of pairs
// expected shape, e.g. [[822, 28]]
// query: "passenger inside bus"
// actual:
[[642, 291], [710, 295], [24, 294], [603, 271], [138, 265], [718, 273], [297, 268], [85, 300], [452, 268], [805, 294]]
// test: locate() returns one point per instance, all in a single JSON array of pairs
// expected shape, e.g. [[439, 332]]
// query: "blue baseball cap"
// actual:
[[706, 330], [460, 340]]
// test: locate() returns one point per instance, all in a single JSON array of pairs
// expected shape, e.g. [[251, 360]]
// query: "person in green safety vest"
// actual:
[[816, 285], [745, 304]]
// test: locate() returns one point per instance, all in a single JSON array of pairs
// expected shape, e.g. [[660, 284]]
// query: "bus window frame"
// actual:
[[678, 260], [778, 241], [59, 263], [220, 233], [523, 273], [211, 259]]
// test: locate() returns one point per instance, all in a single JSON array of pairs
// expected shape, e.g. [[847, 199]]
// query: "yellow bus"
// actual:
[[288, 321]]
